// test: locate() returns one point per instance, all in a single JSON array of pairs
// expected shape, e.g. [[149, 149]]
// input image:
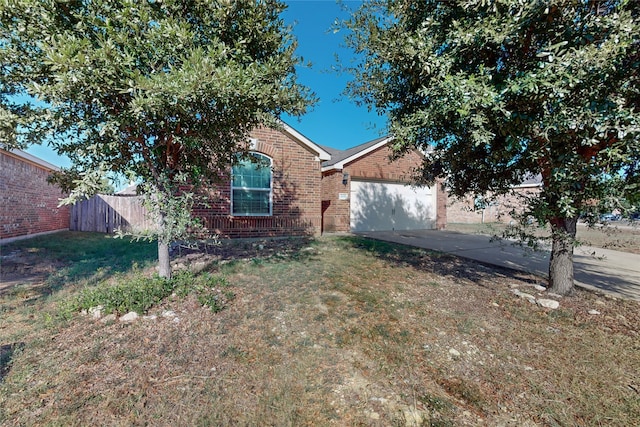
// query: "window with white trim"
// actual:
[[251, 186]]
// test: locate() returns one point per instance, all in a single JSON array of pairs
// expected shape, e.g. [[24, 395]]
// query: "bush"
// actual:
[[210, 290], [139, 293]]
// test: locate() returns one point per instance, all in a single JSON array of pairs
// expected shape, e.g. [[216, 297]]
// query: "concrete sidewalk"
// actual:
[[617, 273]]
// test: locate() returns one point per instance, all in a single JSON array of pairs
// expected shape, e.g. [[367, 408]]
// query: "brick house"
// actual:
[[297, 187], [363, 190], [28, 203], [294, 187], [469, 211], [277, 196]]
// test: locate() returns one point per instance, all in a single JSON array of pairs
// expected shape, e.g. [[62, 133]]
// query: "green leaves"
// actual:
[[503, 89], [148, 72], [152, 89]]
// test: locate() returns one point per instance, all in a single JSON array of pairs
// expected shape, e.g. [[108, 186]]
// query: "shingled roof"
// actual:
[[340, 157]]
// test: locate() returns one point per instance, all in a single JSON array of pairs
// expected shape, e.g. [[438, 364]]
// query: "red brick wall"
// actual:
[[375, 165], [461, 211], [296, 193], [335, 212], [28, 204]]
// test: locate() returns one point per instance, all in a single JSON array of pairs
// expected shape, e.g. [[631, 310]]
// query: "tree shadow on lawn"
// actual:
[[436, 262], [38, 267], [6, 356]]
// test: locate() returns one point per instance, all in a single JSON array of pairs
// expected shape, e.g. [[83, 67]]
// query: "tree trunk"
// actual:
[[164, 262], [563, 232]]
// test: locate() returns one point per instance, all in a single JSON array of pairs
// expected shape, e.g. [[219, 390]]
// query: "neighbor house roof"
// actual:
[[339, 158], [129, 190], [29, 158]]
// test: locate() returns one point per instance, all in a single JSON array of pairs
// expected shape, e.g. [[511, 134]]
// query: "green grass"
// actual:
[[84, 258]]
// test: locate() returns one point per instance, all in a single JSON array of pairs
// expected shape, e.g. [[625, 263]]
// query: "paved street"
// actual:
[[617, 273]]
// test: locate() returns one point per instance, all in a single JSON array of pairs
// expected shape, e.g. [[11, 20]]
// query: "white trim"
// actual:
[[539, 184], [23, 155], [340, 165], [323, 155]]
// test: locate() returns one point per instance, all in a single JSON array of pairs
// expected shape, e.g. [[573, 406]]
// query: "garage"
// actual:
[[380, 206]]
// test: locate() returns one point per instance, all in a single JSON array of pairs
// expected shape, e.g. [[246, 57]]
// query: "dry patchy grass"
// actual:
[[338, 331]]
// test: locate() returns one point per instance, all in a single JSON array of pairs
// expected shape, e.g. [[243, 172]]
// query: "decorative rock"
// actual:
[[129, 317], [553, 295], [151, 317], [168, 313], [412, 417], [373, 415], [548, 303], [109, 318], [96, 312], [594, 312], [198, 266], [539, 288], [454, 353], [524, 295]]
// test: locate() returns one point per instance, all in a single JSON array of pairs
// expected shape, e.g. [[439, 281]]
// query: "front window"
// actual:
[[251, 186]]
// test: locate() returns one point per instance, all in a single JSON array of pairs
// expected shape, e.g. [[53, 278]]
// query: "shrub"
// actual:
[[139, 293]]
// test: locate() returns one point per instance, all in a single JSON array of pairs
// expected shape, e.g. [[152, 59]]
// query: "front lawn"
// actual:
[[332, 331]]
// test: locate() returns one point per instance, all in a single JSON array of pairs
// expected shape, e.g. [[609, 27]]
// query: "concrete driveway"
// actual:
[[617, 273]]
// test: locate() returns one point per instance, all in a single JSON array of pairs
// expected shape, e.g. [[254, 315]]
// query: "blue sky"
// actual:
[[335, 121]]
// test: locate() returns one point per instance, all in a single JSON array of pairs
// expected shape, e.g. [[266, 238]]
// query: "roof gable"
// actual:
[[323, 154]]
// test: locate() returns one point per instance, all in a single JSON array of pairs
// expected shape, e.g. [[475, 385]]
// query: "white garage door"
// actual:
[[378, 206]]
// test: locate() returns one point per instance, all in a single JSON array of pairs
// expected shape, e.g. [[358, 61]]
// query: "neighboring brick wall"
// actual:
[[375, 165], [462, 211], [28, 204], [296, 193]]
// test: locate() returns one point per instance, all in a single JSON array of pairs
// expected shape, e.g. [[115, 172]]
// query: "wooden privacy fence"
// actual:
[[105, 214]]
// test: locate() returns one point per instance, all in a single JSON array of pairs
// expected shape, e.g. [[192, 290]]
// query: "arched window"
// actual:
[[251, 186]]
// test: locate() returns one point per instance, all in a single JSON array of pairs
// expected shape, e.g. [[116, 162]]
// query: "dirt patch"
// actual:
[[24, 269]]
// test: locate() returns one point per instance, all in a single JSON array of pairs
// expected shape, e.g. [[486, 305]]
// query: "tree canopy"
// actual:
[[158, 89], [502, 89]]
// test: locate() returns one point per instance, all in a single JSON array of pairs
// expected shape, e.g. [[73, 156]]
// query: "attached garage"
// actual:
[[380, 206], [366, 188]]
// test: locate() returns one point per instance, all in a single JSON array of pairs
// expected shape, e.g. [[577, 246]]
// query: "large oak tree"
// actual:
[[166, 90], [500, 89]]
